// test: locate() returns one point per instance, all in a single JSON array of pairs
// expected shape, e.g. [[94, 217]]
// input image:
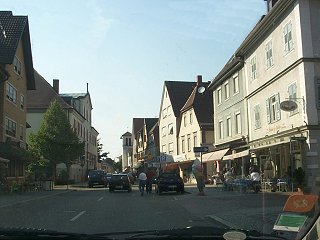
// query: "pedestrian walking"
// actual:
[[150, 174], [142, 182]]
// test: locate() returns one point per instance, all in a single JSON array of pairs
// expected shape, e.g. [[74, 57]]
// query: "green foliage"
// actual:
[[117, 166], [101, 155], [55, 139]]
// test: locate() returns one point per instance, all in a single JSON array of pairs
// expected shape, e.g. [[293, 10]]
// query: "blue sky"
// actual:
[[126, 49]]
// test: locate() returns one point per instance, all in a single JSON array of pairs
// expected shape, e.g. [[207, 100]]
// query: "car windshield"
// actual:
[[168, 117]]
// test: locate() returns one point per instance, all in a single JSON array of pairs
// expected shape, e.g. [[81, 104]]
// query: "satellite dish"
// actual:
[[288, 105], [201, 89]]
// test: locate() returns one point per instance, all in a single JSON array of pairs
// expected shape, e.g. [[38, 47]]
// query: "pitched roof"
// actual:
[[137, 124], [150, 122], [202, 103], [12, 30], [44, 94], [179, 92], [126, 134]]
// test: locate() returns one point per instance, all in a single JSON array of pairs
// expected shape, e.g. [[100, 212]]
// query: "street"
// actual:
[[84, 210]]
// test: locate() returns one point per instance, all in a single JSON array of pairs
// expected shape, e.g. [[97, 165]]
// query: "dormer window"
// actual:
[[17, 66]]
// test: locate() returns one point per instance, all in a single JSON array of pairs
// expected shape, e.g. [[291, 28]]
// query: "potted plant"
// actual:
[[299, 176]]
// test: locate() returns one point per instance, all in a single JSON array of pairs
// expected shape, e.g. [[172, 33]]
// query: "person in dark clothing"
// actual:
[[150, 174]]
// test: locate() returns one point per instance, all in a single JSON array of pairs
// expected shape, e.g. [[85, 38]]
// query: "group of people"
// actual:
[[145, 179]]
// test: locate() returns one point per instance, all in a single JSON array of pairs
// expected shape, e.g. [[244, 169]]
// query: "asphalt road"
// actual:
[[84, 210]]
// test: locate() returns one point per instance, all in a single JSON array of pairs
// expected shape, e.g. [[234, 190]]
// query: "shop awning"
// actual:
[[214, 156], [3, 160], [236, 155]]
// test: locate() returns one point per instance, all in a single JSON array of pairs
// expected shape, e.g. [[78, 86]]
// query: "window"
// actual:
[[226, 90], [229, 127], [191, 117], [220, 129], [219, 97], [21, 132], [164, 113], [189, 142], [17, 65], [253, 65], [183, 144], [170, 129], [257, 121], [273, 108], [184, 120], [163, 131], [11, 127], [11, 93], [287, 37], [235, 84], [195, 139], [164, 149], [238, 123], [169, 110], [269, 60], [292, 91], [21, 102], [170, 148]]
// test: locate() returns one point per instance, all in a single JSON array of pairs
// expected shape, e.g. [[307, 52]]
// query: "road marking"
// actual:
[[225, 222], [77, 216], [100, 199]]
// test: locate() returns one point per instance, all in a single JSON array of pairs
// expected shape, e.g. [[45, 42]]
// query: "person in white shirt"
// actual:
[[142, 182]]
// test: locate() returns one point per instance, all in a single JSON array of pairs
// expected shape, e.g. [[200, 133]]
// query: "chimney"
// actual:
[[270, 4], [56, 85], [199, 80]]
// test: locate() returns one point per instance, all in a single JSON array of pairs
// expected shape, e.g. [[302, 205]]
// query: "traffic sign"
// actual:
[[200, 149]]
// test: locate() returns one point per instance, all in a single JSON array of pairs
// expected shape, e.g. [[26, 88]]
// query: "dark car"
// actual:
[[108, 176], [120, 181], [169, 181], [97, 177]]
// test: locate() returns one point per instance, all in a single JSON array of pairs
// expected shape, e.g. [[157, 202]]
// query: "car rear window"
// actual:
[[168, 175], [95, 173], [117, 177]]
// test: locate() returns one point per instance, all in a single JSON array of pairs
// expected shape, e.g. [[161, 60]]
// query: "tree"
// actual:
[[55, 140], [117, 166], [101, 155]]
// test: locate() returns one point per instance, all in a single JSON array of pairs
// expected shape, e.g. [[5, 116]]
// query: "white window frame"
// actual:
[[288, 38], [17, 65], [171, 148], [236, 88], [238, 123], [228, 126], [11, 127], [170, 129], [164, 113], [226, 90], [273, 108], [195, 139], [183, 139], [11, 93], [163, 132], [220, 124], [164, 148], [22, 102], [184, 120], [190, 117], [257, 116], [253, 67], [219, 96], [189, 142], [269, 54]]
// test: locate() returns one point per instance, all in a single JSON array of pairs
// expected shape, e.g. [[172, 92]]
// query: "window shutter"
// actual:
[[268, 110], [278, 113]]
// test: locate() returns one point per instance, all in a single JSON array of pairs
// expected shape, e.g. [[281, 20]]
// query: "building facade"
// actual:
[[16, 77]]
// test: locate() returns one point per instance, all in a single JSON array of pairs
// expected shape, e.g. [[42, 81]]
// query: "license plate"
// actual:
[[172, 186]]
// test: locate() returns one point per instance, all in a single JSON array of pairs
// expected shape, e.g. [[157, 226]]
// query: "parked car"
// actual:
[[169, 181], [120, 181], [97, 177]]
